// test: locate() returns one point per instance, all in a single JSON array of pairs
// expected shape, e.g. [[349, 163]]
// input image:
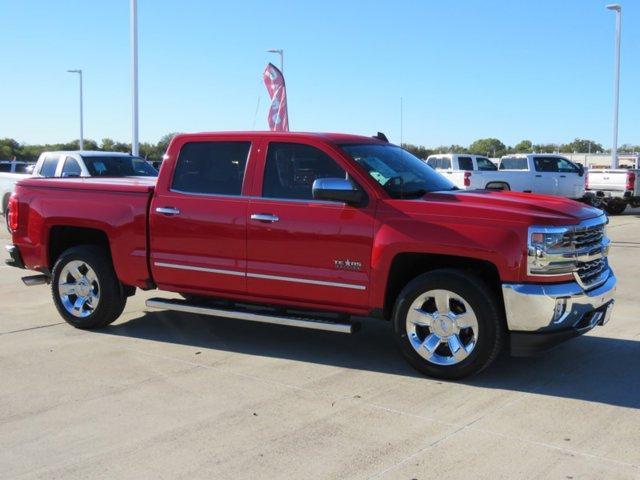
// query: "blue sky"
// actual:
[[465, 69]]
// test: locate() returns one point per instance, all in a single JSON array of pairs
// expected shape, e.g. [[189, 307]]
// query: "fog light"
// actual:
[[560, 308]]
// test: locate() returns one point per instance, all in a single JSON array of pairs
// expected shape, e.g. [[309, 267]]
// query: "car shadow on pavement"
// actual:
[[590, 368]]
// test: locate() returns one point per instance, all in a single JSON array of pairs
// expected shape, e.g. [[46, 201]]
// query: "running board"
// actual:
[[291, 321]]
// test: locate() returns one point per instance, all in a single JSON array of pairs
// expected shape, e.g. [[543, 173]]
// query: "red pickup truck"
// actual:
[[310, 230]]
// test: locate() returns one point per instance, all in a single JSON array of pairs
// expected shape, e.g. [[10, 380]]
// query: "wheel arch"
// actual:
[[407, 266], [498, 185], [63, 237]]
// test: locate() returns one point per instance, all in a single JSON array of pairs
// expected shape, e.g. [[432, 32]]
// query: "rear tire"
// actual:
[[615, 207], [85, 288], [448, 324]]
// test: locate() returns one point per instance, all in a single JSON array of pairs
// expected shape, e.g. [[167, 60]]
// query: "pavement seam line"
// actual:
[[32, 328]]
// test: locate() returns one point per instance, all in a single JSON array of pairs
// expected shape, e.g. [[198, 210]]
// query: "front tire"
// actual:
[[447, 324], [85, 288], [615, 207]]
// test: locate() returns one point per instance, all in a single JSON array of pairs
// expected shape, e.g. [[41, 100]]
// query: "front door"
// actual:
[[300, 249], [198, 220]]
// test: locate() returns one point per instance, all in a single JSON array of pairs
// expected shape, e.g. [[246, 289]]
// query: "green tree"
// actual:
[[581, 145], [107, 144], [488, 146], [523, 146]]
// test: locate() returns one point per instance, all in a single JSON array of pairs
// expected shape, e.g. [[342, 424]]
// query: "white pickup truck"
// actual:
[[536, 173], [614, 189], [10, 173]]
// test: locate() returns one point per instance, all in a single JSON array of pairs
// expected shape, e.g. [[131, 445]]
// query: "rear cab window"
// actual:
[[439, 163], [465, 163], [211, 168], [49, 166]]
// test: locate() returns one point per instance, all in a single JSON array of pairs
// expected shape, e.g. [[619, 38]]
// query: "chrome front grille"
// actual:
[[590, 273], [585, 237], [590, 241]]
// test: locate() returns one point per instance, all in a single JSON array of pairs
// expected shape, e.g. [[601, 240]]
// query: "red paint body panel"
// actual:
[[230, 255]]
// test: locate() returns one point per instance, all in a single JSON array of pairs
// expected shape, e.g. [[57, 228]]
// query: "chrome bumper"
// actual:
[[544, 308]]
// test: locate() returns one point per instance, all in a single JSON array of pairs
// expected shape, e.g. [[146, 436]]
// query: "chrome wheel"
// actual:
[[442, 327], [79, 289]]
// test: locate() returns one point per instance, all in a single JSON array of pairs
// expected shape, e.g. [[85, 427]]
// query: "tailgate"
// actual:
[[608, 180]]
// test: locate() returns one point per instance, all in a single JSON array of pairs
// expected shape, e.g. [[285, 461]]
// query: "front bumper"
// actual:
[[540, 316], [15, 259]]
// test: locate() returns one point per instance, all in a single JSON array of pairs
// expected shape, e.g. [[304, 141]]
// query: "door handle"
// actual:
[[538, 176], [563, 176], [264, 217], [168, 211]]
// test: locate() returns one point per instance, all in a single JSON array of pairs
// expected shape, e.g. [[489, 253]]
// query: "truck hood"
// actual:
[[494, 206]]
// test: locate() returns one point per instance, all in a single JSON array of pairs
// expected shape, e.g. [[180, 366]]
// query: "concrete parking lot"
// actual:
[[165, 395]]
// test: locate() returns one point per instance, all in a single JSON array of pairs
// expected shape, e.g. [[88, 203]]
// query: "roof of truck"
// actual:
[[330, 137], [89, 153]]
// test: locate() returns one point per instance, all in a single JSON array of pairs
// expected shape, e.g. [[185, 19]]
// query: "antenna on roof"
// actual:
[[381, 136]]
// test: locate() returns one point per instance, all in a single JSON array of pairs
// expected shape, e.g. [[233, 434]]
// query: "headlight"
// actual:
[[550, 251]]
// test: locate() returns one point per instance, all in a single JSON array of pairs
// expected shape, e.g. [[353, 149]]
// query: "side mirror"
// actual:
[[580, 169], [337, 190]]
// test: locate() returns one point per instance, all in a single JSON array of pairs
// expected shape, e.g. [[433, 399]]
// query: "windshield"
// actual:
[[119, 166], [401, 174]]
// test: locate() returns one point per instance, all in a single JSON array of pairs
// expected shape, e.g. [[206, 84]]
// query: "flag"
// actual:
[[278, 117]]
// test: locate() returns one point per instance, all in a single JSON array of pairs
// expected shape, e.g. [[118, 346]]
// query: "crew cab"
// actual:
[[88, 163], [314, 230], [532, 173], [615, 188]]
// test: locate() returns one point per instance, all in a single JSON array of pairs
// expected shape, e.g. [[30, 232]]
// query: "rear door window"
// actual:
[[212, 168], [485, 164], [5, 167], [49, 165], [465, 163], [513, 164]]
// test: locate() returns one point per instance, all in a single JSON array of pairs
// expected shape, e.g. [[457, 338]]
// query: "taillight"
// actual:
[[12, 217], [467, 179], [631, 180]]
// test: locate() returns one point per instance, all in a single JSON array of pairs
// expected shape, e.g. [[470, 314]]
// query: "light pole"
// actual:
[[616, 84], [281, 53], [79, 72], [135, 148]]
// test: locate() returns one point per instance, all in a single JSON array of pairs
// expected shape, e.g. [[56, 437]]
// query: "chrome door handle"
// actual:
[[168, 210], [264, 217]]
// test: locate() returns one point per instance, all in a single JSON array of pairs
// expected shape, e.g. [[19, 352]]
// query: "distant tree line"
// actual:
[[10, 148], [493, 147]]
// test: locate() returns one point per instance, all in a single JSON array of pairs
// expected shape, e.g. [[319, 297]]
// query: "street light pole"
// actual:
[[135, 148], [79, 72], [281, 53], [616, 84]]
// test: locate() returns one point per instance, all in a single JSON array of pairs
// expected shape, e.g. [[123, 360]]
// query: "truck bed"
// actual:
[[59, 207]]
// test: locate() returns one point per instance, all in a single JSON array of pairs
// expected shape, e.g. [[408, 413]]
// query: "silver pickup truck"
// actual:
[[614, 189]]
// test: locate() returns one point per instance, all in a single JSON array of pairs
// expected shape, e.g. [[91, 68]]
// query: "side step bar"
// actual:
[[291, 321]]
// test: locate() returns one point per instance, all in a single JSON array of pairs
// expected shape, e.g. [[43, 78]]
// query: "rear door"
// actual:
[[546, 175], [300, 249], [198, 219]]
